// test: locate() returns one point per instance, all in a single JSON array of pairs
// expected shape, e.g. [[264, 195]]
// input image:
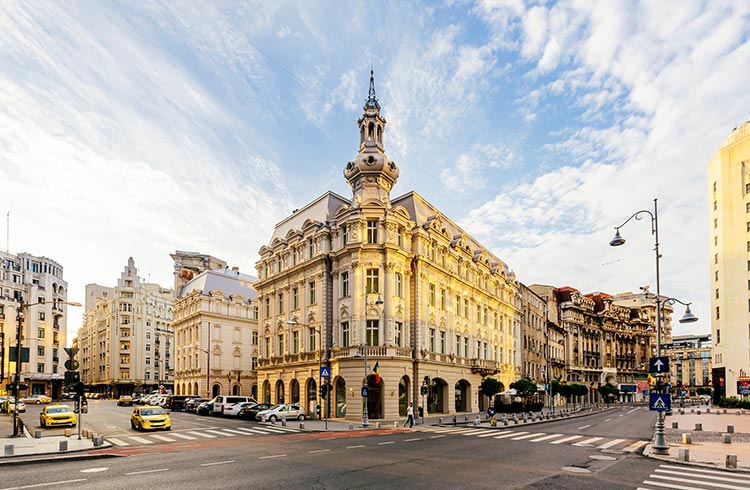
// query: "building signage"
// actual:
[[743, 387]]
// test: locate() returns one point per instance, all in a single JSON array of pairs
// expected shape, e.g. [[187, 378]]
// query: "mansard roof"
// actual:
[[320, 211], [228, 281]]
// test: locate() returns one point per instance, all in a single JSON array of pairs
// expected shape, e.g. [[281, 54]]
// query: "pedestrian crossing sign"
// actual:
[[660, 402]]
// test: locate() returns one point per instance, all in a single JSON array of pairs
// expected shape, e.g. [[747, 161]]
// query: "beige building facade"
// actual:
[[216, 333], [126, 342], [355, 284], [690, 362], [536, 349], [729, 228], [33, 279]]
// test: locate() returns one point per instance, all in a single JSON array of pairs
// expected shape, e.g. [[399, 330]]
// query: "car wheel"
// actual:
[[300, 417], [169, 428], [39, 402], [41, 422], [132, 424], [272, 418]]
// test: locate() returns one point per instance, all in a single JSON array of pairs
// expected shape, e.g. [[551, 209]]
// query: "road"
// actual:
[[428, 457]]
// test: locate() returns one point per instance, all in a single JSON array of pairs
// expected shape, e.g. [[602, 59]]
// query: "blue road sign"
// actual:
[[364, 391], [658, 365], [325, 372], [660, 402]]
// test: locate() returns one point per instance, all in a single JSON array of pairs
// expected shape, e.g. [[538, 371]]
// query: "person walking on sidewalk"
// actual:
[[409, 415]]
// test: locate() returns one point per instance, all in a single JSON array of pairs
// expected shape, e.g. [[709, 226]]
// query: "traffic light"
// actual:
[[79, 389], [323, 391], [423, 390], [427, 380]]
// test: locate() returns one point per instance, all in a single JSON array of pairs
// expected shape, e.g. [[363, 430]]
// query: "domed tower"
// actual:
[[371, 174]]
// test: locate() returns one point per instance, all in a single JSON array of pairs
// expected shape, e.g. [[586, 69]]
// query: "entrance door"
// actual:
[[374, 398]]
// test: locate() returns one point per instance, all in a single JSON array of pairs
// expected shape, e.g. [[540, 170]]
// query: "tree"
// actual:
[[609, 392], [555, 387], [525, 388], [490, 386]]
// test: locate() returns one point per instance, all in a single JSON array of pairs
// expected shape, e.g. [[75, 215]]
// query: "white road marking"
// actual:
[[552, 436], [217, 462], [711, 477], [235, 431], [147, 471], [686, 480], [621, 415], [37, 485], [584, 426], [274, 429], [437, 437], [162, 438], [609, 444], [464, 431], [607, 420], [141, 440], [602, 458], [510, 434], [588, 441], [692, 469], [355, 447], [273, 456], [635, 446], [183, 436], [384, 443], [229, 434], [571, 438], [318, 451], [209, 436], [489, 433], [257, 431], [118, 442], [671, 485], [631, 411], [412, 440], [94, 470], [475, 431], [527, 436]]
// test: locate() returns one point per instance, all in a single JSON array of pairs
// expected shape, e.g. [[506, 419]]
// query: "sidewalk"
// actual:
[[707, 448]]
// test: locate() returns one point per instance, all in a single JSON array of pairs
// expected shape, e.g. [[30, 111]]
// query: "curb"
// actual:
[[49, 458], [499, 426], [700, 464]]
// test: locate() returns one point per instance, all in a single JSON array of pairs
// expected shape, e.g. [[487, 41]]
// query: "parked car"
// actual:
[[282, 411], [234, 410], [4, 405], [150, 417], [224, 402], [249, 412], [125, 401], [37, 399], [57, 415], [176, 403], [205, 408], [191, 405]]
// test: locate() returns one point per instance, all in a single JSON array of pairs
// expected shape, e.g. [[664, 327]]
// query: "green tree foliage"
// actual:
[[490, 386], [525, 388]]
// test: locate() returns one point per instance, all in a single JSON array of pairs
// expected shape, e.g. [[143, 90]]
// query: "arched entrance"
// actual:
[[436, 396], [312, 396], [279, 391], [403, 395], [340, 386], [294, 386], [254, 392], [236, 390], [374, 397], [195, 389], [216, 390], [463, 396], [267, 392]]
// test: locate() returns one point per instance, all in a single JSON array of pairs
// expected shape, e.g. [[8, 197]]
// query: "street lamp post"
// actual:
[[320, 365], [19, 317], [660, 443]]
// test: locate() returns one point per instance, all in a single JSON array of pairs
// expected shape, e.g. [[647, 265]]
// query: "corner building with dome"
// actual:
[[355, 283]]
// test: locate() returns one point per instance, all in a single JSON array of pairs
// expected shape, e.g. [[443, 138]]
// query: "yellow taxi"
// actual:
[[150, 417], [57, 415]]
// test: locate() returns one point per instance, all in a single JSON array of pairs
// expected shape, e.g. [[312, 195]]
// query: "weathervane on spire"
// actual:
[[372, 101]]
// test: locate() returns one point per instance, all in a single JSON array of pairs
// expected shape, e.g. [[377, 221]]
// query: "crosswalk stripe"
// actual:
[[478, 432], [670, 485], [609, 444], [510, 434], [274, 429], [208, 436], [220, 433], [588, 441], [551, 436], [162, 438], [258, 431], [692, 469], [287, 429], [235, 431], [571, 438], [183, 436], [141, 440], [533, 434], [708, 477], [489, 433], [465, 431], [118, 442], [635, 446], [686, 480]]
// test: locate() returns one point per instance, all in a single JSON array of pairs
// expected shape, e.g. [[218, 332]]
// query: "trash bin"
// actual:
[[421, 412]]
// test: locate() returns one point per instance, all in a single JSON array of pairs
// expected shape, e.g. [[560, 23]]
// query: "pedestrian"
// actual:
[[409, 415]]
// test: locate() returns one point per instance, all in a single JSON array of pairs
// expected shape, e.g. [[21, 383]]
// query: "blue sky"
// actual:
[[139, 128]]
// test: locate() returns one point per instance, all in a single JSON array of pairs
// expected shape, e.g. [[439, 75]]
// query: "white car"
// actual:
[[234, 410], [282, 411]]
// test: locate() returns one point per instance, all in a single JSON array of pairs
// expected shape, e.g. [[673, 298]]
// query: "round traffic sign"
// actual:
[[364, 391], [71, 365]]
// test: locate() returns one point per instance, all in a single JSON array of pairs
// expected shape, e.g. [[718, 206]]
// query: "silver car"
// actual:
[[282, 411]]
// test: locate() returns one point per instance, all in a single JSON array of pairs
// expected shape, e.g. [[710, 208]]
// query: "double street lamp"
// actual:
[[19, 317], [320, 363], [660, 443]]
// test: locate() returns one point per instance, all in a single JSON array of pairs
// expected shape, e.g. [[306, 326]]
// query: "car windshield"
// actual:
[[152, 411], [58, 409], [281, 406]]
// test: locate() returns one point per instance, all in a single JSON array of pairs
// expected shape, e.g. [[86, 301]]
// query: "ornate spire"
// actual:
[[372, 101]]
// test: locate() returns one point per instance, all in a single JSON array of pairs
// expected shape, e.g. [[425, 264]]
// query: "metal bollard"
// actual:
[[466, 418], [708, 410], [698, 411], [477, 420], [730, 429], [731, 461], [302, 425], [675, 425], [98, 440], [726, 438], [683, 454], [454, 420], [395, 423], [351, 426], [687, 438], [9, 448], [68, 432], [440, 421], [63, 446], [505, 421], [698, 426], [725, 410], [283, 421], [37, 434]]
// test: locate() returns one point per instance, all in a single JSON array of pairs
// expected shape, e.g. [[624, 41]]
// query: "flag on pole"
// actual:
[[376, 370]]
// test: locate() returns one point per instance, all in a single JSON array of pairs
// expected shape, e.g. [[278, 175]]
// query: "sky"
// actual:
[[141, 128]]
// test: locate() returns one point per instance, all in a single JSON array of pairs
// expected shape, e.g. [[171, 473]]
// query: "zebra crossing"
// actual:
[[124, 440], [692, 478], [602, 443]]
